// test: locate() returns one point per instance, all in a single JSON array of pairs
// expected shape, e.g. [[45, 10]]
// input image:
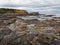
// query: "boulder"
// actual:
[[18, 25], [3, 32]]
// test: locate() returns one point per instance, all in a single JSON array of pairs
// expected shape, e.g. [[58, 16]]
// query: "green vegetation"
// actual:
[[3, 10]]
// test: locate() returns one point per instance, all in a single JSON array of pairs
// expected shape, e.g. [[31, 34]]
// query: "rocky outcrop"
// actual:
[[18, 25], [34, 13], [3, 32], [17, 31], [51, 23]]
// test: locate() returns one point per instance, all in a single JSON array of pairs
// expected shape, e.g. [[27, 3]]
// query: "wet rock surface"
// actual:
[[21, 31]]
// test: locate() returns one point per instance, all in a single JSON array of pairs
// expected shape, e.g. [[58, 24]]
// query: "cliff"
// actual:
[[20, 12]]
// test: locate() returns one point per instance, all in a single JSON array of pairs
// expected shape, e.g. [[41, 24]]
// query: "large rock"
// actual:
[[18, 25], [9, 21], [52, 23], [3, 32]]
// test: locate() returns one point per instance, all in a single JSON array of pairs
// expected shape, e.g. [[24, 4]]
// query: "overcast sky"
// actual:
[[42, 6]]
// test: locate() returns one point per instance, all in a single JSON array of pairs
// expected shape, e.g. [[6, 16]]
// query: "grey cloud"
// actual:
[[42, 6]]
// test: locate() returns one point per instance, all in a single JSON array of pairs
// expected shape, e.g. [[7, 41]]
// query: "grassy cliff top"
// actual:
[[3, 10]]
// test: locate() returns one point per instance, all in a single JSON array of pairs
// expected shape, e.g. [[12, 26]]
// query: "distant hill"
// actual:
[[3, 10]]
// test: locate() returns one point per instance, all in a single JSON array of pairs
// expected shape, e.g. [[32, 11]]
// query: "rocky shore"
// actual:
[[29, 30]]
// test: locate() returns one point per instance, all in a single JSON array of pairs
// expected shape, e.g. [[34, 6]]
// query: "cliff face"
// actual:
[[21, 12]]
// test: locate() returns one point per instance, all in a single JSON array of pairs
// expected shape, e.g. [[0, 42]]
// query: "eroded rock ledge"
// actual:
[[15, 30]]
